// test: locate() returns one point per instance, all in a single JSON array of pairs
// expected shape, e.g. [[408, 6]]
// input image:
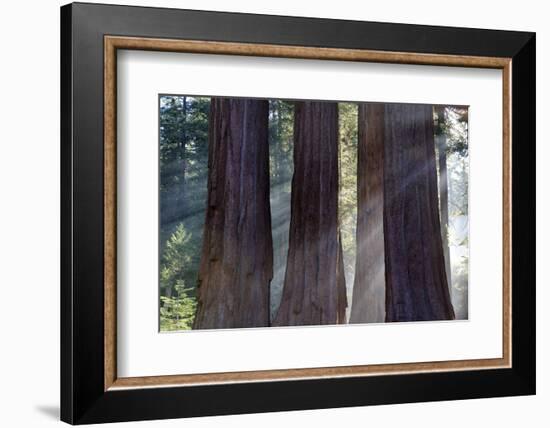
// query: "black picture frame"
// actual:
[[83, 398]]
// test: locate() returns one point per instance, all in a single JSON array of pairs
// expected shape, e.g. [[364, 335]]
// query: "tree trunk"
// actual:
[[314, 287], [369, 285], [342, 302], [237, 261], [441, 142], [416, 282]]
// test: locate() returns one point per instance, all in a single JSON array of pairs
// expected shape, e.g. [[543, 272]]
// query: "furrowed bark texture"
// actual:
[[342, 296], [416, 282], [237, 255], [369, 296], [314, 288]]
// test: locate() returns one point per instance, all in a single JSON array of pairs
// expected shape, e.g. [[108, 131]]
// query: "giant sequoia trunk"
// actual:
[[441, 143], [236, 262], [314, 288], [416, 282], [369, 285]]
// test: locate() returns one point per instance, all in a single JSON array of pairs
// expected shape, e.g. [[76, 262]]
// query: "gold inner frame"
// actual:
[[113, 43]]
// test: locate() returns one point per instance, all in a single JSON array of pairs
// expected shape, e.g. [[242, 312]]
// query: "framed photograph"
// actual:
[[265, 213]]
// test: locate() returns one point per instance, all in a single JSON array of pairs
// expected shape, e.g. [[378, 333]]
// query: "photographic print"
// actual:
[[279, 213]]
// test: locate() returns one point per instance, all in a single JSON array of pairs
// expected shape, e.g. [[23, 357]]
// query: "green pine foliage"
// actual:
[[176, 260], [178, 272], [177, 313], [183, 192]]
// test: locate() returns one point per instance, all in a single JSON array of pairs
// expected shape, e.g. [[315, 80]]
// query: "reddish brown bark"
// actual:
[[342, 303], [416, 282], [368, 303], [314, 288], [237, 261]]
